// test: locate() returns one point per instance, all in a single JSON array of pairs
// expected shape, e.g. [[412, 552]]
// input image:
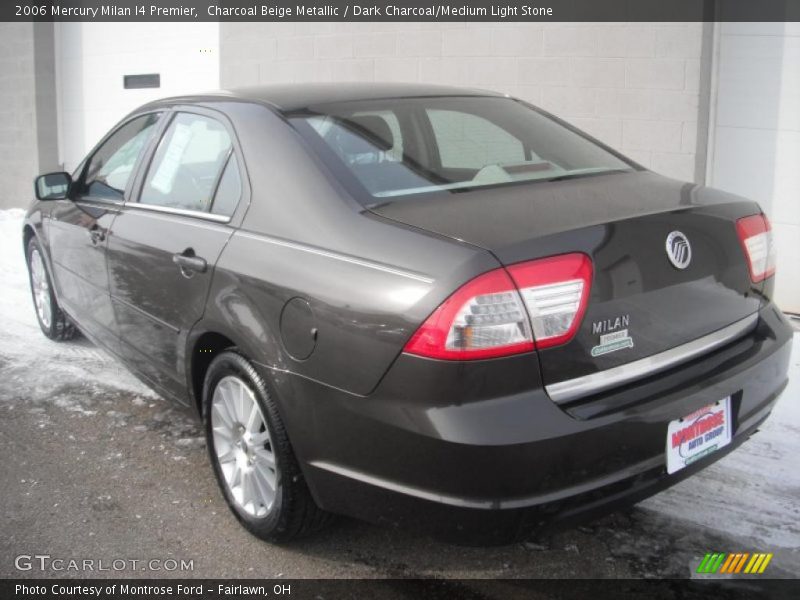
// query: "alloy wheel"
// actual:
[[41, 288], [243, 447]]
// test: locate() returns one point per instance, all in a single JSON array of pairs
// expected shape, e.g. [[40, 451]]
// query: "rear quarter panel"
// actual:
[[368, 282]]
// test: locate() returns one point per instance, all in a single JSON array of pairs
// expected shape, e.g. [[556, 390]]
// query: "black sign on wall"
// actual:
[[149, 80]]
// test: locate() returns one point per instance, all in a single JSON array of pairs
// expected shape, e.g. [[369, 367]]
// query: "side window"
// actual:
[[229, 189], [187, 164], [109, 170], [467, 141]]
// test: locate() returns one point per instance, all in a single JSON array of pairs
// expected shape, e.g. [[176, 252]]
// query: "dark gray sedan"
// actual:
[[414, 305]]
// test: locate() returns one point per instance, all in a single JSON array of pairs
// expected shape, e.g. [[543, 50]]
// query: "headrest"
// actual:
[[365, 134]]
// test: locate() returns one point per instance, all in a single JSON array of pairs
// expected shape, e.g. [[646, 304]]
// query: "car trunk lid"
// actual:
[[640, 303]]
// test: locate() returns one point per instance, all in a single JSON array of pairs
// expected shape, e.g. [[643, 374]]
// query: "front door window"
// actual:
[[109, 171]]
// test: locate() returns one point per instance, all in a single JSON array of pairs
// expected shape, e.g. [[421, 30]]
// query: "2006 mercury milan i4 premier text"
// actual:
[[415, 305]]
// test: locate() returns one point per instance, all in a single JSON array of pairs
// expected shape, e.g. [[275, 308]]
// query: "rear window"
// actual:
[[393, 149]]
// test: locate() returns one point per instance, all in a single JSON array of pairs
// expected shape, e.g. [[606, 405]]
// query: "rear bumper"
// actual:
[[478, 451]]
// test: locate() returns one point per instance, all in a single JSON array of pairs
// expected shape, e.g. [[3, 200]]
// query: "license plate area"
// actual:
[[699, 434]]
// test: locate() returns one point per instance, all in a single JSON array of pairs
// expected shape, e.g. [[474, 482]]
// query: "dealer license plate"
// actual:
[[698, 434]]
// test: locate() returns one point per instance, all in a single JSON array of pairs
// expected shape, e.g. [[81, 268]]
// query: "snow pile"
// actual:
[[12, 214], [24, 345]]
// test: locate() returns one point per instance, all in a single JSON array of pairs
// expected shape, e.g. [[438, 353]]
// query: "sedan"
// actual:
[[416, 305]]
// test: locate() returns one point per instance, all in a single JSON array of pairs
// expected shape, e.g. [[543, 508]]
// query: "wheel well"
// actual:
[[205, 349], [27, 234]]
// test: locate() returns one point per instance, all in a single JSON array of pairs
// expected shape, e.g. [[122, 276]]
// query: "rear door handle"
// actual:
[[189, 263]]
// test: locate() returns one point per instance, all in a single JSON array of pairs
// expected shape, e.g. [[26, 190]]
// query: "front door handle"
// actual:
[[189, 263], [97, 234]]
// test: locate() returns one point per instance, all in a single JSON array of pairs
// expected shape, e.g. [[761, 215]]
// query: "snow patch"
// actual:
[[77, 361], [754, 492]]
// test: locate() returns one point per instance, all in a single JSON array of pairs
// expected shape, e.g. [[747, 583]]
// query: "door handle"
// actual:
[[188, 262], [97, 234]]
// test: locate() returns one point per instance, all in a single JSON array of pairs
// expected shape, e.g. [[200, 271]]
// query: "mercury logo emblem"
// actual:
[[678, 250]]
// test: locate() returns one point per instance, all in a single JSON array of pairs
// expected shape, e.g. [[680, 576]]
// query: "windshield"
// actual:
[[407, 147]]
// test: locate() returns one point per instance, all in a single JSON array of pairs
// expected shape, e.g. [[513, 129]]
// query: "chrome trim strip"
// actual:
[[571, 389], [179, 211], [106, 205], [337, 256], [222, 228]]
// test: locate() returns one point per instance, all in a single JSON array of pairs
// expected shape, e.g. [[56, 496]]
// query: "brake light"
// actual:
[[755, 234], [492, 315], [485, 318], [556, 292]]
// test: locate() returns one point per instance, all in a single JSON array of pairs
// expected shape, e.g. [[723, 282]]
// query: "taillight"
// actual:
[[556, 291], [755, 234], [487, 317]]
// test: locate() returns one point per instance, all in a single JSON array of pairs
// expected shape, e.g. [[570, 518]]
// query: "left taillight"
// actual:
[[755, 235], [556, 292], [485, 318], [529, 305]]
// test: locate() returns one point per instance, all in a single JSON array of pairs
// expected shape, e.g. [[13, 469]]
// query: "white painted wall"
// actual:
[[91, 59], [755, 133], [633, 85]]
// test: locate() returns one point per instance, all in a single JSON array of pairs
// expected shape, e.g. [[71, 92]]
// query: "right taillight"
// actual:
[[755, 234], [534, 304]]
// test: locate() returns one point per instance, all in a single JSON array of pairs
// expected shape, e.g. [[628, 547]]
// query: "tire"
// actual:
[[52, 320], [242, 449]]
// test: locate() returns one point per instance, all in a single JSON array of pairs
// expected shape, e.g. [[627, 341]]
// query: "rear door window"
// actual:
[[188, 164], [229, 189]]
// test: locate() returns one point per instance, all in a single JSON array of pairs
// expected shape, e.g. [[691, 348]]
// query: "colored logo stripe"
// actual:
[[710, 563], [758, 563], [719, 562], [728, 563], [739, 563]]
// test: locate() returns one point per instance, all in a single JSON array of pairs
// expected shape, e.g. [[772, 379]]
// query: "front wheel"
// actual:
[[52, 320], [251, 455]]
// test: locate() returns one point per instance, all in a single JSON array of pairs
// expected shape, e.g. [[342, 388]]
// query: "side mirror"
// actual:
[[52, 186]]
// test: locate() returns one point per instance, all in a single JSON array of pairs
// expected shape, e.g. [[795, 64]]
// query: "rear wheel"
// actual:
[[52, 320], [251, 455]]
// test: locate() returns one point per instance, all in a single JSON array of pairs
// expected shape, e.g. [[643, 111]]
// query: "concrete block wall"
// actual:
[[25, 100], [636, 86], [93, 59]]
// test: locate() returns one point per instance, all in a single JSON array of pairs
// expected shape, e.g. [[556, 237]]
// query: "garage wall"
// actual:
[[755, 149], [635, 86], [92, 59], [27, 109]]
